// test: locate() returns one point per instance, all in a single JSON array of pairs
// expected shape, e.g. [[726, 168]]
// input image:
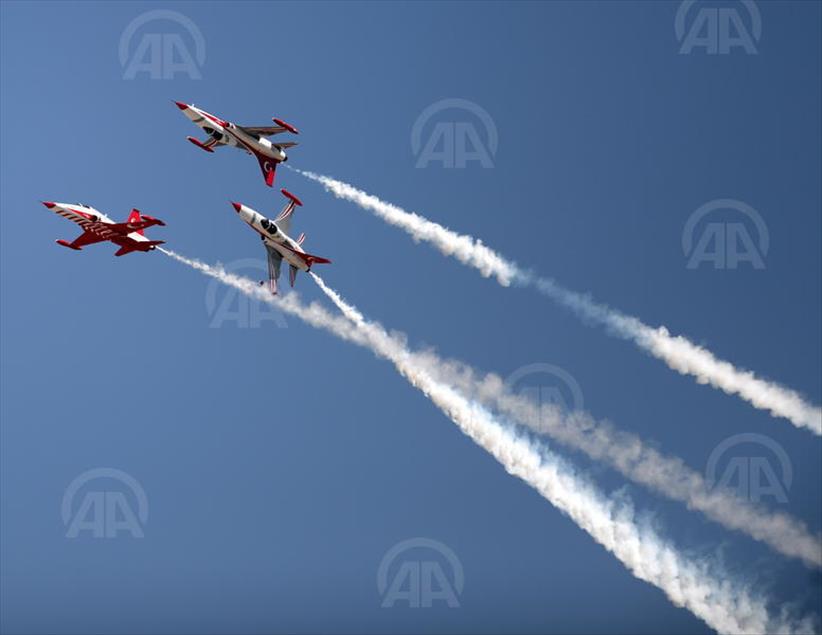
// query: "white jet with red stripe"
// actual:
[[278, 244], [252, 139]]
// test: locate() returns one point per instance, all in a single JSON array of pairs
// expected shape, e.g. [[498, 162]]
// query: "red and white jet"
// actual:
[[97, 227], [278, 244], [252, 139]]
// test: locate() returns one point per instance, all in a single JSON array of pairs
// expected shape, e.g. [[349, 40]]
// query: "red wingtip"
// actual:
[[285, 125], [237, 206], [181, 105], [48, 204], [291, 196]]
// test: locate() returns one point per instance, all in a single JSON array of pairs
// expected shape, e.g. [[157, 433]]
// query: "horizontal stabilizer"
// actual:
[[311, 259], [153, 221], [146, 246]]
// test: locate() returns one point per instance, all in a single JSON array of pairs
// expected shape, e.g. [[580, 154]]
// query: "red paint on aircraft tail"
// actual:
[[135, 217]]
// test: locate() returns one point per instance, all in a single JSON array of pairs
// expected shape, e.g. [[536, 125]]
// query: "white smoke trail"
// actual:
[[625, 452], [634, 459], [725, 605], [677, 352]]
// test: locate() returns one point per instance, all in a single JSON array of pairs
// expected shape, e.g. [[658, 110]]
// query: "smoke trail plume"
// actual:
[[677, 352], [634, 459], [727, 606], [625, 452]]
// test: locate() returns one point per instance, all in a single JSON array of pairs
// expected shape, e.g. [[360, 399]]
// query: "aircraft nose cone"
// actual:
[[237, 206], [48, 204], [181, 105]]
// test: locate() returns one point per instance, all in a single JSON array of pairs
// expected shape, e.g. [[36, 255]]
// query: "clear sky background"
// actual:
[[279, 464]]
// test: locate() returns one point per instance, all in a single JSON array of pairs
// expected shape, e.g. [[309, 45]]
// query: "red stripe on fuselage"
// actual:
[[217, 120]]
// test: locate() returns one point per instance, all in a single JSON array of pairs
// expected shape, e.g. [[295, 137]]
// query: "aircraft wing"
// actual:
[[283, 221], [92, 228], [267, 131], [83, 219], [86, 238], [275, 259], [263, 131], [208, 145]]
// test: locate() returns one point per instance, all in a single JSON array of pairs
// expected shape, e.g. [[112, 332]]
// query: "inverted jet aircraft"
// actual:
[[278, 244], [252, 139], [97, 227]]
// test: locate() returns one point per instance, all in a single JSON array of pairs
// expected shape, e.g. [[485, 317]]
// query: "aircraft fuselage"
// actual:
[[274, 237]]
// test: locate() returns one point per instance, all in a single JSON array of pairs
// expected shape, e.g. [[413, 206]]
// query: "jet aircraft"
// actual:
[[252, 139], [278, 244], [97, 227]]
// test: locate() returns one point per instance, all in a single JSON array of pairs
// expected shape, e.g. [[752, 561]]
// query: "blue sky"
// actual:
[[281, 465]]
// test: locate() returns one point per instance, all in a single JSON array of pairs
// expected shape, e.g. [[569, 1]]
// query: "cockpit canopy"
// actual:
[[269, 226]]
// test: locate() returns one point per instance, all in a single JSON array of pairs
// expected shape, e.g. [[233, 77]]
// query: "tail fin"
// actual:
[[269, 167], [135, 217]]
